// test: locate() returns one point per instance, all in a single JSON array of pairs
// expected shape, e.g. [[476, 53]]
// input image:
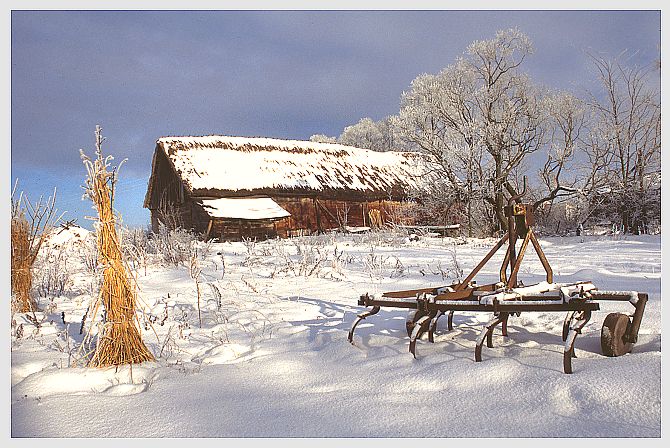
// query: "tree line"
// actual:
[[488, 124]]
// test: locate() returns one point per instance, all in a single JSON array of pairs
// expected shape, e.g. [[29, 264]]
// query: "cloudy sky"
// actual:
[[286, 74]]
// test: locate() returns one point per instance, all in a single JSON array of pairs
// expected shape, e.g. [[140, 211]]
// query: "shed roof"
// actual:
[[244, 208], [214, 165]]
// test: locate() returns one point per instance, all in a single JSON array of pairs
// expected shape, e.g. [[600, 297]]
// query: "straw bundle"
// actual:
[[119, 341], [22, 262], [30, 225]]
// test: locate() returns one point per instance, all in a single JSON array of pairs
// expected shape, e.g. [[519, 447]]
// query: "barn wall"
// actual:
[[237, 229], [166, 187], [186, 215], [170, 203], [309, 215]]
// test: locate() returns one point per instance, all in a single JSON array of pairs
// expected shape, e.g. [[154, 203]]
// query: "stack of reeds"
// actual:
[[22, 262], [30, 225], [119, 341]]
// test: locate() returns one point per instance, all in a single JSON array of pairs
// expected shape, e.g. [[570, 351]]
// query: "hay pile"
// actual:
[[30, 225], [22, 262], [119, 341]]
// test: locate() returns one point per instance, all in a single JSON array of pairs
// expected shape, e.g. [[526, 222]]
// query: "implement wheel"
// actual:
[[614, 335]]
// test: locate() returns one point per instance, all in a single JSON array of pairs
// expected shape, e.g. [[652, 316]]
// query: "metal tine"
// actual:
[[487, 333], [419, 329], [433, 326], [450, 320], [373, 310], [577, 322], [566, 324]]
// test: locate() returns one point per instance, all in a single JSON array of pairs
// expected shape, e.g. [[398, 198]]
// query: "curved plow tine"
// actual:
[[577, 322], [566, 324], [450, 320], [374, 310], [417, 331], [487, 333], [412, 322], [433, 325]]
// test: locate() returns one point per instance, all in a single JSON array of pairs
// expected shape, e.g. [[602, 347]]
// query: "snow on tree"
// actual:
[[624, 146], [566, 124], [480, 116], [322, 138], [369, 134]]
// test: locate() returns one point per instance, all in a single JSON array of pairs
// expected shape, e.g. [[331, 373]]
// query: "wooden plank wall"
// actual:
[[310, 215], [236, 229]]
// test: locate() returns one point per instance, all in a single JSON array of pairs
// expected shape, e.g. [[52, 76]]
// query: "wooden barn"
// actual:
[[234, 187]]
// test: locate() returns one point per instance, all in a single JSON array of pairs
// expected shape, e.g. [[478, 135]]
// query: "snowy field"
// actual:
[[269, 355]]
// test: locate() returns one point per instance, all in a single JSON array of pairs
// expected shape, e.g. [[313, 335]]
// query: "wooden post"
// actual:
[[209, 228], [318, 216]]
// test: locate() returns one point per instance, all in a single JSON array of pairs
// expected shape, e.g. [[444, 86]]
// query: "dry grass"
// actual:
[[22, 262], [119, 341], [30, 224]]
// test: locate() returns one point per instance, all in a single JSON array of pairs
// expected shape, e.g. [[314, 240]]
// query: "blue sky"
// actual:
[[285, 74]]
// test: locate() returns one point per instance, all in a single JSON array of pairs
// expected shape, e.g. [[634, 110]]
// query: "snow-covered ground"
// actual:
[[270, 357]]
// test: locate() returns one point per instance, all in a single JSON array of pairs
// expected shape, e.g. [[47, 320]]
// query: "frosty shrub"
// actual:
[[52, 273], [310, 257], [339, 262], [384, 237], [173, 247], [300, 256], [88, 252], [448, 270], [374, 265], [135, 244], [252, 257], [399, 269]]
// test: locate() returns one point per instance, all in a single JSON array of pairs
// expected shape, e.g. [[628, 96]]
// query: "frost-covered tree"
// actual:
[[624, 146], [436, 118], [480, 116], [559, 181], [369, 134], [565, 124], [322, 138]]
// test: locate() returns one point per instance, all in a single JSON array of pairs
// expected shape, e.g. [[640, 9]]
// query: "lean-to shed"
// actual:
[[234, 187]]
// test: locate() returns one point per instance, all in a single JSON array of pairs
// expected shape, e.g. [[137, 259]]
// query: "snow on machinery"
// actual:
[[510, 297]]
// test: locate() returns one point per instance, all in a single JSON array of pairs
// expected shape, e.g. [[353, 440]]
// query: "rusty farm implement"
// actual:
[[510, 297]]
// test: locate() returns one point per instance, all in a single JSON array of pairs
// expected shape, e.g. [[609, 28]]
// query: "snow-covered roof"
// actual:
[[244, 208], [234, 164]]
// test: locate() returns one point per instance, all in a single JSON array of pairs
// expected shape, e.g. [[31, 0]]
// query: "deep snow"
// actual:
[[272, 357]]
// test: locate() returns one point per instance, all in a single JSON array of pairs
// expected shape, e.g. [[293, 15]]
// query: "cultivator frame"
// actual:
[[510, 297]]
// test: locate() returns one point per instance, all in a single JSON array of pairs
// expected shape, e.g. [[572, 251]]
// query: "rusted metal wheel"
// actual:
[[614, 335]]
